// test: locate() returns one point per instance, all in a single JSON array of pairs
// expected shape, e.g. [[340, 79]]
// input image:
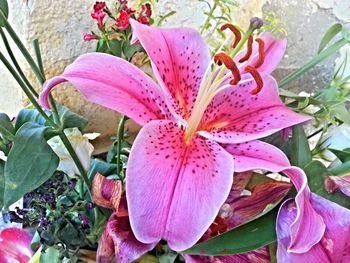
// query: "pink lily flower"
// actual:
[[178, 171], [15, 246], [333, 183], [309, 228]]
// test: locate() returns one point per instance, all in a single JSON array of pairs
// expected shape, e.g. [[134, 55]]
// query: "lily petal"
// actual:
[[15, 246], [338, 182], [106, 193], [118, 241], [334, 245], [169, 183], [179, 58], [236, 116], [113, 83], [308, 227]]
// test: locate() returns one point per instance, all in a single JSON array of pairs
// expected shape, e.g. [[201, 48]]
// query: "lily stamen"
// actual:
[[249, 50], [235, 31], [230, 65], [258, 79], [261, 59]]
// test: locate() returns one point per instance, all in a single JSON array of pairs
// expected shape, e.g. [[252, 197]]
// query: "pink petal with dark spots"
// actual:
[[179, 57], [335, 243], [15, 246], [240, 181], [113, 83], [119, 242], [106, 193], [175, 189], [236, 116]]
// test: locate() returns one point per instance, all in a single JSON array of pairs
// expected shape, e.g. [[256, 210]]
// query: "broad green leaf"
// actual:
[[343, 155], [169, 255], [35, 243], [28, 115], [102, 168], [51, 255], [129, 50], [70, 119], [6, 123], [114, 48], [316, 173], [4, 8], [6, 128], [341, 169], [30, 162], [2, 183], [300, 150], [247, 237], [329, 35]]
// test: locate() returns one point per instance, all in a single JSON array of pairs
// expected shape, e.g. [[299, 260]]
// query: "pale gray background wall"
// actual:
[[60, 25]]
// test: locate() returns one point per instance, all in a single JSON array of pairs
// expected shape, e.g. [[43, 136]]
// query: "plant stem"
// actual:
[[26, 90], [120, 138], [319, 58], [22, 48], [15, 63], [206, 23]]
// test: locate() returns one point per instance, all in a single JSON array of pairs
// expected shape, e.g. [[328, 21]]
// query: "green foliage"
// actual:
[[273, 25], [6, 131], [300, 149], [241, 239], [4, 8], [329, 36], [30, 162], [28, 115], [50, 255], [102, 167], [2, 183], [70, 119]]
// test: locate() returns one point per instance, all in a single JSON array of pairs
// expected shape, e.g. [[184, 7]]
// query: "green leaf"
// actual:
[[247, 237], [51, 255], [4, 8], [6, 127], [28, 115], [343, 155], [300, 150], [316, 173], [329, 35], [115, 48], [70, 119], [129, 50], [35, 243], [30, 162], [2, 183], [99, 166], [341, 169]]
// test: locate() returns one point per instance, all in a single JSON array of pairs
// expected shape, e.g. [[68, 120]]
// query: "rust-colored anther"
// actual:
[[223, 58], [235, 31], [261, 58], [258, 79], [249, 50]]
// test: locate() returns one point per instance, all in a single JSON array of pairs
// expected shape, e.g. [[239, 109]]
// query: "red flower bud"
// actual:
[[147, 10], [89, 37], [123, 20]]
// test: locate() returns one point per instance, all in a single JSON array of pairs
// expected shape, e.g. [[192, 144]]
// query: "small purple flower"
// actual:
[[84, 219]]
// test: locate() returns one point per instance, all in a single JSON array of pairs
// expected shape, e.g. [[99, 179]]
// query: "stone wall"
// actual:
[[59, 25]]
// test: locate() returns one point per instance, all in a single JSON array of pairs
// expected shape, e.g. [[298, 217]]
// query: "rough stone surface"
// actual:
[[60, 25]]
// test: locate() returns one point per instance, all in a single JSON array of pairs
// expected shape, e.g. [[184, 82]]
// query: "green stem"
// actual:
[[26, 90], [120, 138], [242, 41], [206, 23], [52, 102], [22, 48], [15, 63], [319, 58]]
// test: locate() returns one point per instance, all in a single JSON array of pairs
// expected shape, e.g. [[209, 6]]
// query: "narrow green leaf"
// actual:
[[28, 115], [250, 236], [316, 173], [343, 155], [4, 8], [329, 35], [2, 183], [30, 162], [300, 150], [341, 169]]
